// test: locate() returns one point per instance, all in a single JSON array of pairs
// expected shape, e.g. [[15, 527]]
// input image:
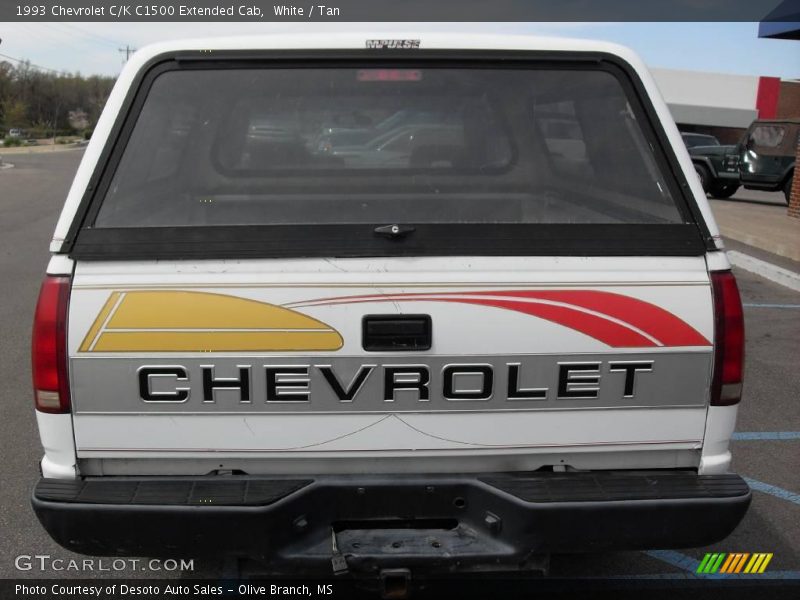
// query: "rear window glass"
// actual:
[[261, 146]]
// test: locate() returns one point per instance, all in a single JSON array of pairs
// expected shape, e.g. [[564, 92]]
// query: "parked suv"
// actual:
[[692, 140], [520, 335], [767, 155], [716, 165]]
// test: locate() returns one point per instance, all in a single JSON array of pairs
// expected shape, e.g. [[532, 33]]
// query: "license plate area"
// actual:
[[394, 524], [361, 544]]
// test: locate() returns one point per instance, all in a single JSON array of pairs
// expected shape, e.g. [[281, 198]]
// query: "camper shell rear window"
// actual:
[[491, 152]]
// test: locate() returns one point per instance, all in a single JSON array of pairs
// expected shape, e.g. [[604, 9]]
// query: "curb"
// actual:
[[789, 251], [779, 275]]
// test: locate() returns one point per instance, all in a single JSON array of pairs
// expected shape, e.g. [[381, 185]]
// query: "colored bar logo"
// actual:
[[734, 562]]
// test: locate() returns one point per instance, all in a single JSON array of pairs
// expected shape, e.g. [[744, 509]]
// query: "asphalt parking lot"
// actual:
[[767, 450]]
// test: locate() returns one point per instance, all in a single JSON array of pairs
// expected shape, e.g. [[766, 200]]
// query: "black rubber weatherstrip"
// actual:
[[288, 241]]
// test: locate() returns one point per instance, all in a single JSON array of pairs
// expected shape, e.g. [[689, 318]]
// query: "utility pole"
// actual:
[[127, 50]]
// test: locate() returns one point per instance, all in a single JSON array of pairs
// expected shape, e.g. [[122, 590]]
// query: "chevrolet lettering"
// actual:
[[293, 383], [361, 295]]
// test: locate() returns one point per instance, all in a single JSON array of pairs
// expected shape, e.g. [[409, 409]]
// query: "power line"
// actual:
[[94, 35], [66, 32], [98, 38], [55, 32], [30, 64]]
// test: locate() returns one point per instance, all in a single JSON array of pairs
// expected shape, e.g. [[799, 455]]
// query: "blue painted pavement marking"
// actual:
[[766, 435], [765, 575], [773, 490], [689, 565], [676, 559]]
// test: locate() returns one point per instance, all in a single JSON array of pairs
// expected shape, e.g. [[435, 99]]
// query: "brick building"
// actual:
[[725, 105], [783, 23]]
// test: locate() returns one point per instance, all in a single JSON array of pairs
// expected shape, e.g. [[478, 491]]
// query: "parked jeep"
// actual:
[[767, 155], [716, 165]]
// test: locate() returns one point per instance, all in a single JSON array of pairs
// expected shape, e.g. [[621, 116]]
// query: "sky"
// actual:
[[93, 48]]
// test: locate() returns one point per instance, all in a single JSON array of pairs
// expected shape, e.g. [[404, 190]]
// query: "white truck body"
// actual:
[[259, 366]]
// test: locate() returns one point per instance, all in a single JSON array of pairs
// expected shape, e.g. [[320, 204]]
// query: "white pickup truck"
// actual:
[[451, 302]]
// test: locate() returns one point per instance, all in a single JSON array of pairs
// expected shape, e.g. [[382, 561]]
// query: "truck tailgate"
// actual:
[[532, 361]]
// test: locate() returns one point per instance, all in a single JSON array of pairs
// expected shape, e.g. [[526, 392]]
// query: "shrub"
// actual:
[[12, 141], [45, 133]]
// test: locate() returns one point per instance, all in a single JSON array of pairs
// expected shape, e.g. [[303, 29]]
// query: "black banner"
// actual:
[[398, 10], [475, 587]]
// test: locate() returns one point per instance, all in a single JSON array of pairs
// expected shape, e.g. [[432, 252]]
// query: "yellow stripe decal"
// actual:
[[218, 341], [94, 330], [181, 321]]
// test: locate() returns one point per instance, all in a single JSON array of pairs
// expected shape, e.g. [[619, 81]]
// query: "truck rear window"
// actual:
[[423, 145]]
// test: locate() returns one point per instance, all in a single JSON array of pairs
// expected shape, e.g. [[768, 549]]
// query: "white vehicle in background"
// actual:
[[518, 339]]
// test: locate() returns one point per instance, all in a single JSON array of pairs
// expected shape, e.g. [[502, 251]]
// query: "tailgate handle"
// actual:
[[395, 333]]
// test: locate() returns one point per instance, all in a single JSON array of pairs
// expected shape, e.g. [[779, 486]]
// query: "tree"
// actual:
[[15, 114], [39, 100]]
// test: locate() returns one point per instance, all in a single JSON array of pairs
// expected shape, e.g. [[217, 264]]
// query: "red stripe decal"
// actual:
[[632, 314], [608, 332], [653, 320]]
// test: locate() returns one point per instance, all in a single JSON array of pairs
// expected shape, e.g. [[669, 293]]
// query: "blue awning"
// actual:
[[783, 22]]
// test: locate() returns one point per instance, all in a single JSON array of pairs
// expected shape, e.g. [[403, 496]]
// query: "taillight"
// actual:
[[726, 381], [49, 346]]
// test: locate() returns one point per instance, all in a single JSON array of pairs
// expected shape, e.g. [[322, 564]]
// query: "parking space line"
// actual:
[[766, 435], [764, 269], [773, 490]]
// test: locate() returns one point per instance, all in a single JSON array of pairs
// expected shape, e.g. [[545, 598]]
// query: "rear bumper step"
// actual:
[[430, 522]]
